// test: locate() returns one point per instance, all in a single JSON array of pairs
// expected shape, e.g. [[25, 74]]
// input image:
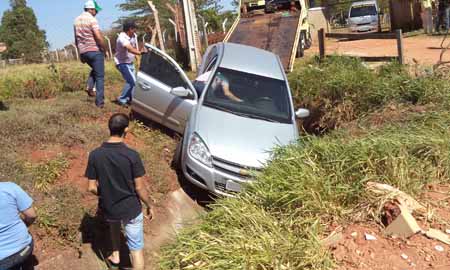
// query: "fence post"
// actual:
[[399, 35], [321, 35]]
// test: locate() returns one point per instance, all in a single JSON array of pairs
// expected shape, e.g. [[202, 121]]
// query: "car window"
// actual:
[[249, 95], [158, 68], [212, 64], [359, 11]]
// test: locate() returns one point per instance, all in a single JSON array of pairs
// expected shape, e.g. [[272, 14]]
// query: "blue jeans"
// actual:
[[96, 61], [19, 260], [128, 74]]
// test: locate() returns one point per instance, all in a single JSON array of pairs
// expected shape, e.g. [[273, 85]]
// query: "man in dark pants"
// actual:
[[16, 244], [115, 174], [91, 47]]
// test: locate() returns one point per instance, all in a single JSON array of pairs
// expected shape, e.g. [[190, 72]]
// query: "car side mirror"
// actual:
[[302, 113], [181, 92]]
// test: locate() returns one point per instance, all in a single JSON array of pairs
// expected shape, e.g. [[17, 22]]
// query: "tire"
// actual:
[[308, 42], [301, 45], [176, 162]]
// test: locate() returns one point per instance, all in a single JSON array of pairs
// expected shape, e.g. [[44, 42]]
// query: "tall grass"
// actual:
[[278, 221], [46, 80], [342, 89]]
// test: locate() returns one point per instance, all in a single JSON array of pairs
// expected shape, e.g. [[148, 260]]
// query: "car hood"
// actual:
[[245, 141]]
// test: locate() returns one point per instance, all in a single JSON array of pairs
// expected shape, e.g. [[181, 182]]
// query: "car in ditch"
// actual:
[[232, 123]]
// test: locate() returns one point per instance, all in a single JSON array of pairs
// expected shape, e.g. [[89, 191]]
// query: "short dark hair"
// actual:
[[127, 25], [118, 123]]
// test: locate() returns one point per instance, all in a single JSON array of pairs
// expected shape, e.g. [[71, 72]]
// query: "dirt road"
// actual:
[[422, 49]]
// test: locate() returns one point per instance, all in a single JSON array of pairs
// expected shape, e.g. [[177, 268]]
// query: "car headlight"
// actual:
[[199, 151]]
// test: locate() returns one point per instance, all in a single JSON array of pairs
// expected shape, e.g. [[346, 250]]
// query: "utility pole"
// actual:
[[174, 29], [158, 27], [224, 25], [205, 34], [193, 39]]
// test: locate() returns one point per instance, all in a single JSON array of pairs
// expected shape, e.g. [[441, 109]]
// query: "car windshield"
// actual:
[[249, 95], [359, 11]]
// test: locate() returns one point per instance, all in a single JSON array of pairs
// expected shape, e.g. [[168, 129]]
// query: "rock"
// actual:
[[404, 256], [439, 248], [369, 237], [404, 225], [354, 234], [438, 235]]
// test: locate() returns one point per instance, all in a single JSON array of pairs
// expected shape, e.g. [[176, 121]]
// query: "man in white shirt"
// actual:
[[126, 49]]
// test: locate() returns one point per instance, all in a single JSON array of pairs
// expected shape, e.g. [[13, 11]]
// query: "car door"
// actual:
[[210, 54], [158, 75]]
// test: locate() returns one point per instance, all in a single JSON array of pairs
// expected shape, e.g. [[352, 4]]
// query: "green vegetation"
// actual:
[[342, 89], [396, 130], [45, 174], [45, 81], [20, 32]]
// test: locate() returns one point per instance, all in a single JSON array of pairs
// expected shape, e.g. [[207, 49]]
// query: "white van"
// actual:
[[363, 16]]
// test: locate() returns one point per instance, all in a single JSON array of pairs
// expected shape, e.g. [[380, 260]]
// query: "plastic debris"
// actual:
[[439, 248], [404, 256], [369, 237]]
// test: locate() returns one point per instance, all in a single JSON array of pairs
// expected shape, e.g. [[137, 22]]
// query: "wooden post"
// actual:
[[399, 35], [321, 34], [153, 39], [158, 26]]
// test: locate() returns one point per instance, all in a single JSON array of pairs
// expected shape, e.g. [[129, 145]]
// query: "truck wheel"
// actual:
[[308, 42], [301, 45]]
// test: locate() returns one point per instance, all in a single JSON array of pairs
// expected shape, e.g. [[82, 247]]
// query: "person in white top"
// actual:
[[126, 50]]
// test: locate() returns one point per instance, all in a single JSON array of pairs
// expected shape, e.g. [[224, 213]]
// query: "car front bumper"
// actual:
[[364, 28], [219, 179]]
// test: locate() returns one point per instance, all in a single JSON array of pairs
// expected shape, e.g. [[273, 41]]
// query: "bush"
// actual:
[[342, 89]]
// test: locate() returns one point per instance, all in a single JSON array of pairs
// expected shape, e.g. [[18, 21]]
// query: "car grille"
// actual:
[[222, 188], [234, 169]]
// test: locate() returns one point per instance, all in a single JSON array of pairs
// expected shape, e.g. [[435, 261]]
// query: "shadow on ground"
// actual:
[[95, 231]]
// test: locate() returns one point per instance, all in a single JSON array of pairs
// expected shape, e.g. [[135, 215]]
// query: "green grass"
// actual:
[[342, 89], [278, 221], [46, 80]]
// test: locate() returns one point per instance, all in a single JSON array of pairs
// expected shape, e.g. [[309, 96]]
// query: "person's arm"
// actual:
[[227, 92], [93, 187], [143, 194], [132, 49], [99, 40], [29, 216]]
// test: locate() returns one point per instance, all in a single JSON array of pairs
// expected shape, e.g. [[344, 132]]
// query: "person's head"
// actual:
[[129, 27], [118, 125], [92, 7]]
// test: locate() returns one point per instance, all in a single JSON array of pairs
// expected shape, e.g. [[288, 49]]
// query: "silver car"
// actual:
[[231, 123], [363, 16]]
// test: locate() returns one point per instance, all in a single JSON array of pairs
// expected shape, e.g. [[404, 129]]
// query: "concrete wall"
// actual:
[[317, 18]]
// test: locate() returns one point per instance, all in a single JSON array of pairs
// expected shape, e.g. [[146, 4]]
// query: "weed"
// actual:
[[45, 174]]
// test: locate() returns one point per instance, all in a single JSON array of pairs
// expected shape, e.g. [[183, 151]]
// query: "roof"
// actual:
[[362, 3], [252, 60]]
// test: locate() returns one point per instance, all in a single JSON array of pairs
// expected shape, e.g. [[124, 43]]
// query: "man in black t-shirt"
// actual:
[[115, 174]]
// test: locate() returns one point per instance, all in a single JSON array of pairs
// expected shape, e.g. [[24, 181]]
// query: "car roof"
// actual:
[[361, 3], [251, 60]]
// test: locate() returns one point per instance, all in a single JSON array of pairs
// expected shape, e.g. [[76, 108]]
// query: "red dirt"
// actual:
[[355, 252], [422, 49]]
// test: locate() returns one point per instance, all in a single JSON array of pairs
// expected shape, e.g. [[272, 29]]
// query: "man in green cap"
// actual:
[[91, 48]]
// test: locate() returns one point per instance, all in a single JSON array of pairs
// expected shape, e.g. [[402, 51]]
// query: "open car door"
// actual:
[[163, 91]]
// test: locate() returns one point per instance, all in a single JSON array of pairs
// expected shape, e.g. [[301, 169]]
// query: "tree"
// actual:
[[209, 9], [21, 34]]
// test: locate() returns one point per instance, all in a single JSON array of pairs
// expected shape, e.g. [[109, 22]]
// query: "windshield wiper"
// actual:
[[258, 117]]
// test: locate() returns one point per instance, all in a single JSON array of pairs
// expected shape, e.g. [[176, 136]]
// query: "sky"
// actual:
[[56, 16]]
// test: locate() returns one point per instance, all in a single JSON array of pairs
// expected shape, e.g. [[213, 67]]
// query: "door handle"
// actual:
[[145, 86]]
